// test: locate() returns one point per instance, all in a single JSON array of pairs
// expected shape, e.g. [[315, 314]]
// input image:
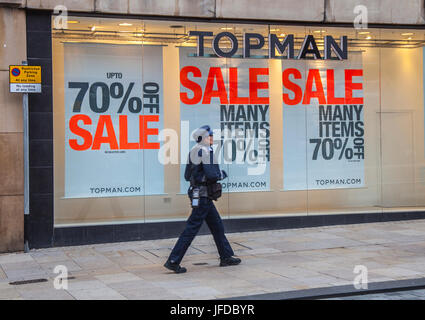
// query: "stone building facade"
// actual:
[[16, 35]]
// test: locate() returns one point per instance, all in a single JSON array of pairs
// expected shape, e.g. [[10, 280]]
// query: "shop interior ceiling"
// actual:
[[176, 32]]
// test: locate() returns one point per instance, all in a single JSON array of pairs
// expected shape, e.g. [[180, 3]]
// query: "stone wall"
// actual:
[[380, 11], [12, 51]]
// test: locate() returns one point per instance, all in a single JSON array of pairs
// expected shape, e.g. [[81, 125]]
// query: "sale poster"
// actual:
[[323, 124], [232, 97], [113, 114]]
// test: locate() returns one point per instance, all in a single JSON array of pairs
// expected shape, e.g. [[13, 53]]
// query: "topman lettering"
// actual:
[[255, 41]]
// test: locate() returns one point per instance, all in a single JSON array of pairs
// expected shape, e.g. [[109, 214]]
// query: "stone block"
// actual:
[[11, 223], [300, 10], [13, 49], [71, 5], [12, 3], [378, 11], [10, 107], [188, 8], [11, 164], [112, 6]]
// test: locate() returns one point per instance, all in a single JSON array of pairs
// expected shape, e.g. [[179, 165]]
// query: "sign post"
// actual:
[[25, 79]]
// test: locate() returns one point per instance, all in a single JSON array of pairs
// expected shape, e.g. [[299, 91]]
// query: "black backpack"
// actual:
[[214, 190]]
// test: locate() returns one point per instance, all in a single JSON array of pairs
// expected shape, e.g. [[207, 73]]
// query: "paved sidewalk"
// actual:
[[272, 261]]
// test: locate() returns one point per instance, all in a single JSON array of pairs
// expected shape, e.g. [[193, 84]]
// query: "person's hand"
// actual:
[[223, 174]]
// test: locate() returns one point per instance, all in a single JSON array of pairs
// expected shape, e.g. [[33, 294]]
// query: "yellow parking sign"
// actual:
[[25, 79]]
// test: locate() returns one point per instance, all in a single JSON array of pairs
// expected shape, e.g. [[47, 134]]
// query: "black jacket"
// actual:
[[201, 167]]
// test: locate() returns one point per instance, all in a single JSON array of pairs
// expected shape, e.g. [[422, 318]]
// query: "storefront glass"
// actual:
[[296, 136]]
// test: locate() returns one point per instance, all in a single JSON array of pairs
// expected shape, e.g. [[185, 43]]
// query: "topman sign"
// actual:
[[308, 50]]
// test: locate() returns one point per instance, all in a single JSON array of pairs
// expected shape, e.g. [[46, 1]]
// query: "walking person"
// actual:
[[203, 172]]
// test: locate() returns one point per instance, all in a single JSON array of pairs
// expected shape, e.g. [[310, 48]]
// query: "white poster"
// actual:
[[232, 97], [323, 124], [113, 114]]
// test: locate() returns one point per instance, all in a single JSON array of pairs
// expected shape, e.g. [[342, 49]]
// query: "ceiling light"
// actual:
[[73, 21], [226, 28], [319, 31], [274, 30], [364, 32], [368, 37], [407, 34], [94, 28], [125, 24]]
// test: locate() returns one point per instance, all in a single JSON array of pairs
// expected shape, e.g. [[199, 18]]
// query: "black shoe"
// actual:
[[174, 267], [230, 261]]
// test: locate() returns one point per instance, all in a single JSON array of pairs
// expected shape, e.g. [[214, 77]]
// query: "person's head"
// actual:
[[208, 140], [211, 139], [204, 135]]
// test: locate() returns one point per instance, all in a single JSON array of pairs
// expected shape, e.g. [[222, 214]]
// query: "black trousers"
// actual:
[[206, 211]]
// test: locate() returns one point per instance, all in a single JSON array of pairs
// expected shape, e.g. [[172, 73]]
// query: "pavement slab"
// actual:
[[49, 267], [9, 294], [2, 274], [117, 277], [41, 256], [96, 294], [15, 258], [45, 294], [273, 261], [136, 294]]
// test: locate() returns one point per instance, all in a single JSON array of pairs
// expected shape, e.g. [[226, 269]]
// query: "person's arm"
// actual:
[[188, 171], [211, 170]]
